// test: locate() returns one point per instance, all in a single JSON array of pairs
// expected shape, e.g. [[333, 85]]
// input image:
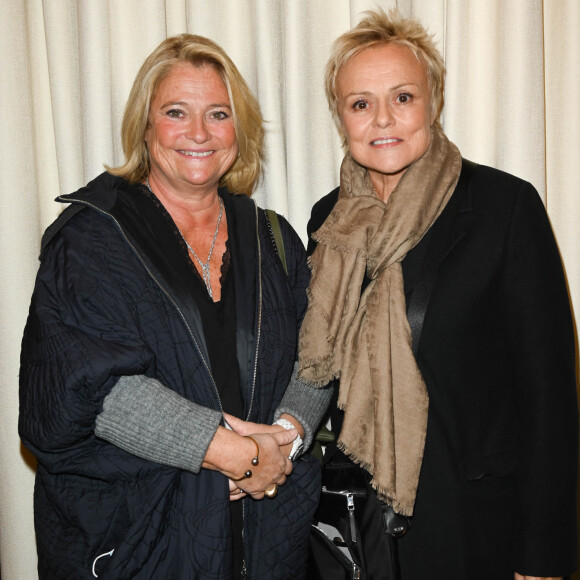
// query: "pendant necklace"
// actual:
[[204, 267]]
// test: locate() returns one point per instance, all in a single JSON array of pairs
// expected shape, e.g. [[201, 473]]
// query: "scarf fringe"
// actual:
[[399, 507], [354, 458], [402, 508], [322, 361]]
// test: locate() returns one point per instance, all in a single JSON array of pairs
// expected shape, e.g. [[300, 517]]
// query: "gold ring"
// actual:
[[272, 491]]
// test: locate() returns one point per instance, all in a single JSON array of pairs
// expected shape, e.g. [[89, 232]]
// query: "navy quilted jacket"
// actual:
[[110, 300]]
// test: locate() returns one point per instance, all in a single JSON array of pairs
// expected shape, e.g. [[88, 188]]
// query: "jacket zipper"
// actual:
[[258, 335], [259, 331]]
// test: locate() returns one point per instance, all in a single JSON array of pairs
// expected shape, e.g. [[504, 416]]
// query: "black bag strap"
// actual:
[[434, 255], [276, 234]]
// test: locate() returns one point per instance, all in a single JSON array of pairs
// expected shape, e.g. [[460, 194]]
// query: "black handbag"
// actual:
[[335, 539], [335, 543], [349, 520]]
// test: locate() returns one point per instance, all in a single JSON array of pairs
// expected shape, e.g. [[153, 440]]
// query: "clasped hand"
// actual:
[[274, 466]]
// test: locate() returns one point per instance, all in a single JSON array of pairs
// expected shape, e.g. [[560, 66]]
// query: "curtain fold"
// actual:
[[562, 137], [19, 237], [513, 88]]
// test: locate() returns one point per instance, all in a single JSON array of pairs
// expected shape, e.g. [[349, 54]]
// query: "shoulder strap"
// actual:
[[434, 255], [276, 233]]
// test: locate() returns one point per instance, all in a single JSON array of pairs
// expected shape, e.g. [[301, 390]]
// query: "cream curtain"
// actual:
[[513, 94]]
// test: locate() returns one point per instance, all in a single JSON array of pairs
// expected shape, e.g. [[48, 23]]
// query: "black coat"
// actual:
[[498, 483], [112, 298]]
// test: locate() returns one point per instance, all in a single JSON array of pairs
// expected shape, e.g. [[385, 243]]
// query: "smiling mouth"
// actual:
[[197, 153], [389, 141]]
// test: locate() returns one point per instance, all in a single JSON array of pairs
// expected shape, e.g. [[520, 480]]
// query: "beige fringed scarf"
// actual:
[[366, 340]]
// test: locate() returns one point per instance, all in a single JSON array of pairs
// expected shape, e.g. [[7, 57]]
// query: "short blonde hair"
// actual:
[[378, 28], [243, 175]]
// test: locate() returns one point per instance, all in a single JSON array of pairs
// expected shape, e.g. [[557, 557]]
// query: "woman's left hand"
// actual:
[[520, 577]]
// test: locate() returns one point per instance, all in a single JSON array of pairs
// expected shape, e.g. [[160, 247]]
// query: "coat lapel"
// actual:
[[244, 249], [444, 235], [462, 223]]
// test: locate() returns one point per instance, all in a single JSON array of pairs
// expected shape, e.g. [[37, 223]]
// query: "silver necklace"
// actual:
[[204, 266]]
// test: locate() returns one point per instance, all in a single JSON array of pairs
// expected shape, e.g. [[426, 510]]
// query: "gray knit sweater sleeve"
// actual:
[[306, 404], [145, 418]]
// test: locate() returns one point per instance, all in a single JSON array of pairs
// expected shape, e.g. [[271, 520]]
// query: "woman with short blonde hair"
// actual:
[[439, 308], [376, 29]]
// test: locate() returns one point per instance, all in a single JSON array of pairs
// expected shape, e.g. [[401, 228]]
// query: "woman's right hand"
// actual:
[[232, 455], [273, 467]]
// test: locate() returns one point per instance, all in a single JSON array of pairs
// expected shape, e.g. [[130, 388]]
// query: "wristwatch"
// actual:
[[297, 444]]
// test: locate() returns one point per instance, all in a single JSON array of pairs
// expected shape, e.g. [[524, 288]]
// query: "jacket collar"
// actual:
[[462, 222]]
